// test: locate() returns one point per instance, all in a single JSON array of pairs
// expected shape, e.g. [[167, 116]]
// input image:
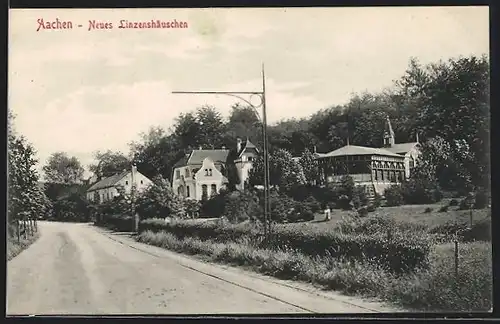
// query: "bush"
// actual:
[[403, 252], [313, 204], [377, 200], [421, 191], [453, 202], [241, 206], [119, 222], [443, 209], [428, 210], [302, 212], [214, 207], [394, 195], [480, 231], [467, 203], [359, 196], [481, 199], [371, 208], [362, 211]]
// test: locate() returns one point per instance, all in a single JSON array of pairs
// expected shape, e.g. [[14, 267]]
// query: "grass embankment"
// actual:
[[430, 286], [14, 247]]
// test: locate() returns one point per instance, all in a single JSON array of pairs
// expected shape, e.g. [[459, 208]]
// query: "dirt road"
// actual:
[[80, 269]]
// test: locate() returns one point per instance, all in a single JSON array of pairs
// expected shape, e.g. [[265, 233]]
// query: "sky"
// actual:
[[80, 91]]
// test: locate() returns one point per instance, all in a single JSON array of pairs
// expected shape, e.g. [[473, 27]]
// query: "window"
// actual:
[[126, 183], [187, 191], [250, 158], [208, 172], [142, 182], [187, 173], [204, 190], [177, 174], [213, 189]]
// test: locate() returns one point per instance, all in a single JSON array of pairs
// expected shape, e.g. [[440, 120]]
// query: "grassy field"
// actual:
[[407, 213]]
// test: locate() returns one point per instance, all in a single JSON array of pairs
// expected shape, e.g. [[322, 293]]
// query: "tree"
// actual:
[[61, 168], [284, 172], [454, 105], [109, 163], [159, 201], [156, 153], [25, 199], [310, 166]]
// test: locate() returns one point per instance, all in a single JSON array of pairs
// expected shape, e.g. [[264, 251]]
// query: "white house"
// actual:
[[107, 188], [205, 172]]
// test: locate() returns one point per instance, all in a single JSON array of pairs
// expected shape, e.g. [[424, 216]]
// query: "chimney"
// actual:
[[238, 144], [134, 169], [416, 135]]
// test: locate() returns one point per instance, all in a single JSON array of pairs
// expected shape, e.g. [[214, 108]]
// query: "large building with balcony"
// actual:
[[375, 168]]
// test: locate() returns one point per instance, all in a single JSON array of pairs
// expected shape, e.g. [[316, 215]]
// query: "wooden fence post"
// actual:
[[18, 230], [470, 217], [456, 259]]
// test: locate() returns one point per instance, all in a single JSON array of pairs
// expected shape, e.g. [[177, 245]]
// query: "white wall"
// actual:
[[105, 194]]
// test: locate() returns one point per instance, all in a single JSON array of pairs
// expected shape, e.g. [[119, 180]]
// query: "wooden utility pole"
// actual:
[[262, 96]]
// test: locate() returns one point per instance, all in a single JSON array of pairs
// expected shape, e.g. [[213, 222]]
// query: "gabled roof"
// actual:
[[197, 156], [401, 147], [358, 150], [248, 145], [182, 161], [109, 181]]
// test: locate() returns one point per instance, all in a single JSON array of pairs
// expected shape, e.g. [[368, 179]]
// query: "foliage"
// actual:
[[71, 208], [25, 197], [284, 172], [453, 202], [159, 201], [443, 209], [214, 207], [310, 166], [428, 210], [394, 195], [402, 252], [421, 191], [359, 196], [109, 163], [481, 199], [61, 168], [241, 206]]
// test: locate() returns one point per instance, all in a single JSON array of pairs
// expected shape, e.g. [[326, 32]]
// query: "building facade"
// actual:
[[375, 168], [205, 172], [106, 189]]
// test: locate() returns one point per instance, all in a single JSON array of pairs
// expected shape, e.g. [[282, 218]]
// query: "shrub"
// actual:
[[377, 200], [302, 212], [119, 222], [313, 204], [359, 196], [394, 195], [362, 211], [443, 209], [453, 202], [344, 202], [371, 208], [241, 206], [421, 191], [467, 202], [428, 210], [403, 252], [481, 199], [214, 207]]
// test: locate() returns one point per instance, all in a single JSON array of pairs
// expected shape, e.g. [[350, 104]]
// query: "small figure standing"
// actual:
[[327, 213]]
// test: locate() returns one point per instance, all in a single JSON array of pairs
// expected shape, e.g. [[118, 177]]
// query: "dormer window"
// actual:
[[208, 172], [126, 183]]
